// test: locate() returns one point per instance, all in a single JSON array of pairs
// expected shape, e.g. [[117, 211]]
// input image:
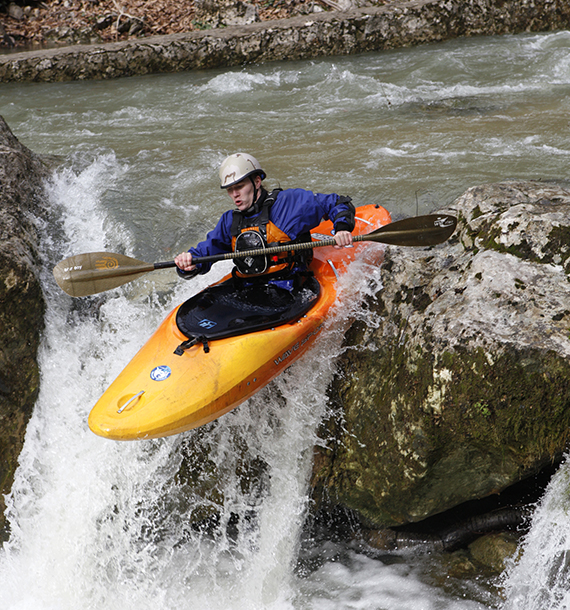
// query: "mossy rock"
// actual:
[[460, 386], [21, 298], [493, 551]]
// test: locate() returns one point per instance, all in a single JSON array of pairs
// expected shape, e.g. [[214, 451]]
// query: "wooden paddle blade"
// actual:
[[416, 231], [85, 274]]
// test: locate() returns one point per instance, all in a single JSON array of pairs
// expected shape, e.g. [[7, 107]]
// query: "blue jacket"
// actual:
[[295, 212]]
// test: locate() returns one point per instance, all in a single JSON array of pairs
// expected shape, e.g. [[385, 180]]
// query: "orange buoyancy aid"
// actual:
[[258, 232]]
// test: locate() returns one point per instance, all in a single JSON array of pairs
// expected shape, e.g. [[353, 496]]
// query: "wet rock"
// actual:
[[494, 550], [454, 535], [462, 386], [21, 299], [460, 565]]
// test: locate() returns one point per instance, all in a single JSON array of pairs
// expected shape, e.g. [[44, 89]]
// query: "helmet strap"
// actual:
[[255, 191]]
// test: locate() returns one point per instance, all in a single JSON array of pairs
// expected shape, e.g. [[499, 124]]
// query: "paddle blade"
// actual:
[[416, 231], [85, 274]]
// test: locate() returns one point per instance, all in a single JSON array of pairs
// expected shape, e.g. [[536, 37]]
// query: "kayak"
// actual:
[[220, 347]]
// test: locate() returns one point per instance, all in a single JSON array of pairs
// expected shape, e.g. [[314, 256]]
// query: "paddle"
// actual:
[[85, 274]]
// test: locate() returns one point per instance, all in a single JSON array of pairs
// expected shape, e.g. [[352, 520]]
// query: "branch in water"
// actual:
[[449, 539]]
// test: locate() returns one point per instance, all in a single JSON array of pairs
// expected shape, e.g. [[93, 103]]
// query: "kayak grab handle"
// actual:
[[130, 400], [331, 265]]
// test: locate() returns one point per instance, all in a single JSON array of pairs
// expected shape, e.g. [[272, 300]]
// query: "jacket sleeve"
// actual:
[[218, 241], [297, 211], [343, 214]]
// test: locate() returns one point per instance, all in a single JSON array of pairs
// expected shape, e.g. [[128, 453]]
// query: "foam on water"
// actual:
[[104, 525]]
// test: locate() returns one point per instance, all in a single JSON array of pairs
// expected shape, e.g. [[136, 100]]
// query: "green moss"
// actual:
[[483, 408], [200, 25], [476, 213], [557, 248], [404, 455], [521, 250], [558, 245]]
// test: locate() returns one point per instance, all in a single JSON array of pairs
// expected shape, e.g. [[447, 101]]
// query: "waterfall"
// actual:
[[539, 579], [104, 525], [101, 525]]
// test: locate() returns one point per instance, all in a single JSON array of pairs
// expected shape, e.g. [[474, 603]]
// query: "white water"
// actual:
[[104, 526], [540, 579], [98, 524]]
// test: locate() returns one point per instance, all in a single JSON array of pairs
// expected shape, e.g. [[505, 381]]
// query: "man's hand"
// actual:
[[184, 261], [343, 238]]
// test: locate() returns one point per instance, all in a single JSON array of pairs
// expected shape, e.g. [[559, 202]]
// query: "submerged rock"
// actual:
[[21, 299], [462, 388]]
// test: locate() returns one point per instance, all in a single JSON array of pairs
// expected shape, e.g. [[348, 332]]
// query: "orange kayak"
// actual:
[[173, 384]]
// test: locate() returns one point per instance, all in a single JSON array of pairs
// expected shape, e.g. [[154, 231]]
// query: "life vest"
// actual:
[[258, 232]]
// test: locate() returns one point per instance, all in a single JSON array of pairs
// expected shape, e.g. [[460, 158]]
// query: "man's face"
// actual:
[[242, 193]]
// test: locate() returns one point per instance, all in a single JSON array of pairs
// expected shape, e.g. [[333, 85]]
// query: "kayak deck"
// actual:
[[160, 393], [235, 308]]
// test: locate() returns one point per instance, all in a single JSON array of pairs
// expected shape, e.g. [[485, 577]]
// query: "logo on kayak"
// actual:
[[160, 373], [297, 345], [205, 323]]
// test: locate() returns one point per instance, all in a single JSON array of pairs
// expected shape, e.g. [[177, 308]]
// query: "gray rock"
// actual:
[[222, 13], [463, 386], [15, 11], [21, 299]]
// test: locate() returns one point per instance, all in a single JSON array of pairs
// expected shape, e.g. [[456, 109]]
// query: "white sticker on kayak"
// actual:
[[160, 373]]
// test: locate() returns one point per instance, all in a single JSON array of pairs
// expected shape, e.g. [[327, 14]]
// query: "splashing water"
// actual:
[[98, 524], [540, 578]]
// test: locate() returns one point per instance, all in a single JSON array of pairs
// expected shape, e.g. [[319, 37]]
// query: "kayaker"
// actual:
[[261, 218]]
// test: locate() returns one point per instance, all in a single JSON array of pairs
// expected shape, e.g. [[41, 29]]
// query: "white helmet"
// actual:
[[238, 166]]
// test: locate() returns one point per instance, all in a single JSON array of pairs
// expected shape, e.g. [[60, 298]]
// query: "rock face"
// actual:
[[461, 387], [21, 299], [330, 33]]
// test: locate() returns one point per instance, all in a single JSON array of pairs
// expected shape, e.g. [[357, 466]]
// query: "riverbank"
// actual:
[[302, 37], [59, 23]]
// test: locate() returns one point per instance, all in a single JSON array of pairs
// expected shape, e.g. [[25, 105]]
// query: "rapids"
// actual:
[[102, 525]]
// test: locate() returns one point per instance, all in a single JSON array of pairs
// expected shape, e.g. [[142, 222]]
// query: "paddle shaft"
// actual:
[[107, 273], [287, 247], [91, 273], [430, 230]]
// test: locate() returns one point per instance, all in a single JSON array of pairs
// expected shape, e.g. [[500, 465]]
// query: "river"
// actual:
[[102, 525]]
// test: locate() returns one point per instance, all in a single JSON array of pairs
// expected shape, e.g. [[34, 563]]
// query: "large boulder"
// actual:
[[21, 300], [460, 384]]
